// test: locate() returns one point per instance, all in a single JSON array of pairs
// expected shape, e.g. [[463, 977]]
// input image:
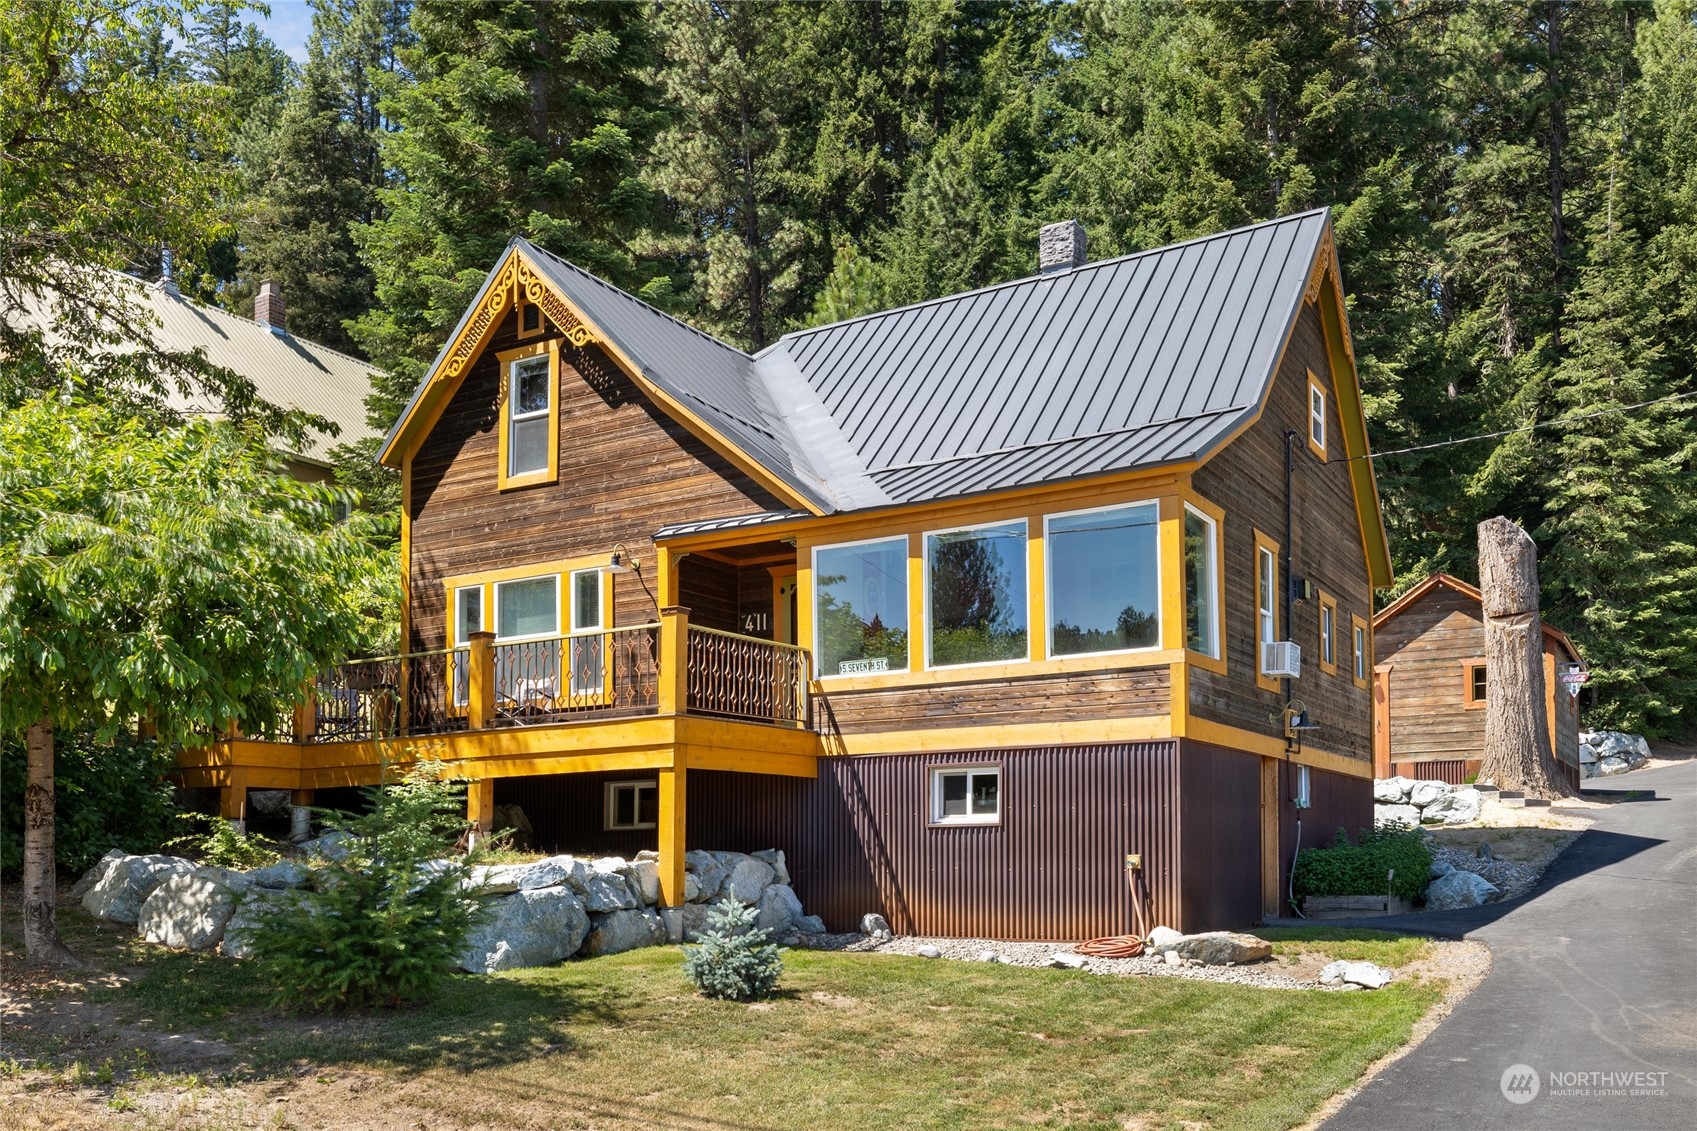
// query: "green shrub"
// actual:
[[734, 961], [104, 796], [221, 846], [378, 926], [1360, 868]]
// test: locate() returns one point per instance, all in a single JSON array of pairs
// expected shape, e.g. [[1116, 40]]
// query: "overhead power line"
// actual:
[[1525, 428]]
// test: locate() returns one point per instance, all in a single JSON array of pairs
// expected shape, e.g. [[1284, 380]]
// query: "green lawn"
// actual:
[[853, 1041], [1387, 948]]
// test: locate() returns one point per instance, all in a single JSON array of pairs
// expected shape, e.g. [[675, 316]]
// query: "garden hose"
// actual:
[[1112, 946]]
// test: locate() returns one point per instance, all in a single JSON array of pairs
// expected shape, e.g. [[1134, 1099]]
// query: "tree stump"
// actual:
[[1517, 755]]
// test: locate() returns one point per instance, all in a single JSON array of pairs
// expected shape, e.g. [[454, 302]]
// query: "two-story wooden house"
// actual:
[[962, 605]]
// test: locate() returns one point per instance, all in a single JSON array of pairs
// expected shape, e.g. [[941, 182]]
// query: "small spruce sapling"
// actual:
[[735, 960]]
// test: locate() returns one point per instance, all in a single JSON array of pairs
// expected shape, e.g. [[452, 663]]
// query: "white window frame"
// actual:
[[1359, 635], [496, 622], [1328, 635], [1213, 586], [1316, 415], [1302, 794], [515, 417], [971, 770], [600, 624], [1266, 616], [1049, 591], [610, 809], [1025, 595], [907, 603]]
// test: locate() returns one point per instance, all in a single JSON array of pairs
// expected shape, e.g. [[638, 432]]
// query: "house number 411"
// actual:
[[757, 622]]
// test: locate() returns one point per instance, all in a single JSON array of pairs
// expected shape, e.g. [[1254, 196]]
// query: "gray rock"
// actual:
[[1607, 766], [1617, 744], [333, 845], [1218, 948], [1441, 869], [1459, 889], [810, 925], [1587, 754], [747, 880], [647, 854], [268, 802], [1162, 937], [709, 874], [1363, 974], [871, 923], [1398, 814], [238, 930], [1392, 791], [96, 873], [929, 951], [672, 919], [608, 892], [645, 876], [695, 921], [283, 874], [692, 888], [189, 912], [1068, 961], [1423, 793], [619, 931], [779, 908], [1457, 807], [528, 928], [118, 895], [987, 956], [774, 859], [1171, 958], [494, 879], [555, 871]]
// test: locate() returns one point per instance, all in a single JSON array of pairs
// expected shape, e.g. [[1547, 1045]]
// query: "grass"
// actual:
[[1352, 945]]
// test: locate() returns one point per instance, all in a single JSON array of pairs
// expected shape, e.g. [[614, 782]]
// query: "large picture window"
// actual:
[[976, 595], [1201, 587], [1105, 580], [860, 607]]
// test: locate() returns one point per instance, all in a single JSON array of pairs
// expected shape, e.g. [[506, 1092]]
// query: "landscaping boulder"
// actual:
[[875, 925], [494, 879], [1217, 948], [1459, 889], [1441, 869], [1617, 744], [644, 876], [774, 859], [1065, 961], [695, 921], [1457, 807], [268, 802], [1162, 937], [709, 874], [528, 928], [1364, 974], [779, 908], [1392, 791], [1606, 766], [238, 929], [1423, 793], [810, 925], [1395, 814], [619, 931], [608, 891], [333, 845], [283, 874], [95, 874], [128, 881], [748, 878], [555, 871], [928, 951], [190, 912], [1587, 754]]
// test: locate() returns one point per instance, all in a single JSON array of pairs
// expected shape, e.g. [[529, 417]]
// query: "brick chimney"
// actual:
[[1060, 246], [268, 308]]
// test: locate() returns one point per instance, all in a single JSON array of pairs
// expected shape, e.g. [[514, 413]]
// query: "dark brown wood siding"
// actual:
[[1337, 801], [1220, 836], [997, 702], [626, 469], [1247, 480]]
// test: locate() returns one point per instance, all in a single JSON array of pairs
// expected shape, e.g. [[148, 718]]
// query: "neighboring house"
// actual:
[[961, 605], [1431, 685]]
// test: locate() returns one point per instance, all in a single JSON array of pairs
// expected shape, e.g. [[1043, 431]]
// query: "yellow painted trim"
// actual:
[[1236, 738], [1262, 542], [1142, 728], [752, 762], [1352, 416], [1468, 701], [1170, 555], [1356, 621], [670, 836], [915, 605], [406, 555], [1011, 669], [1215, 664], [1178, 682], [1315, 386], [1037, 598], [532, 569], [1326, 601], [550, 474]]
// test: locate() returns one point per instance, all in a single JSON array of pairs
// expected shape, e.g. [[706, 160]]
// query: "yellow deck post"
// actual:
[[674, 790], [674, 660], [306, 718], [480, 803], [232, 795], [480, 705]]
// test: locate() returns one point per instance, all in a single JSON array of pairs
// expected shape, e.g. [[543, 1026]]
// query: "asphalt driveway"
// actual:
[[1593, 978]]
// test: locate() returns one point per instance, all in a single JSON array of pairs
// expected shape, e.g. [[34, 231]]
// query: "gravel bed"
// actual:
[[1037, 956], [1514, 879]]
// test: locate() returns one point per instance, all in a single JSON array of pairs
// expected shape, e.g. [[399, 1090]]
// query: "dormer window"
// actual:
[[530, 420]]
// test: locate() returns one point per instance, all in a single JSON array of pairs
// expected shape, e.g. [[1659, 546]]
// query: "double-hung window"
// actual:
[[1266, 606], [1316, 416], [966, 795], [860, 607], [1201, 584], [1361, 662], [1328, 633], [1104, 571], [530, 421], [976, 595]]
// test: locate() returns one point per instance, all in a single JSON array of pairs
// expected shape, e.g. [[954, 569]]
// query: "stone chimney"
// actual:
[[1060, 246], [268, 308]]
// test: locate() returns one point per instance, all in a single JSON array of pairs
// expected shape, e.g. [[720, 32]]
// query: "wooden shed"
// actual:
[[1430, 685]]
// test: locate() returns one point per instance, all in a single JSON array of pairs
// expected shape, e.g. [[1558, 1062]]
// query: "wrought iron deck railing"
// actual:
[[740, 677]]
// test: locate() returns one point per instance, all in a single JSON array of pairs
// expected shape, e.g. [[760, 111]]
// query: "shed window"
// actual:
[[632, 805], [1104, 570], [860, 607], [528, 417], [976, 595], [1478, 682], [1201, 588], [966, 795]]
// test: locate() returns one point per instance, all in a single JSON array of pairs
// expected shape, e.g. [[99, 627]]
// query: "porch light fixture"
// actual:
[[622, 561]]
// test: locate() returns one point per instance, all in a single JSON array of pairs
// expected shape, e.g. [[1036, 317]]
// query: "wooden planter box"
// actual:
[[1353, 906]]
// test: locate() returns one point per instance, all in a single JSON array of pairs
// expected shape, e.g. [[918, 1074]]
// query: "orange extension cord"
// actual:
[[1112, 946]]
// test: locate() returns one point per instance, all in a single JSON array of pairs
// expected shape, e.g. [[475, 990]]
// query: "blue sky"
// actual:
[[288, 27]]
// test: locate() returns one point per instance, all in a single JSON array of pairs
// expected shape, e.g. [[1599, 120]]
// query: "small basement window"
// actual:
[[632, 805], [966, 795]]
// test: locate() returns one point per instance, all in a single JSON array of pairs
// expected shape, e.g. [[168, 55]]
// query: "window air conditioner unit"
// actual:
[[1282, 658]]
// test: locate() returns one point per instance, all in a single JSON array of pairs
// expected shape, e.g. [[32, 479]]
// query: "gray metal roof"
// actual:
[[1143, 360], [739, 522]]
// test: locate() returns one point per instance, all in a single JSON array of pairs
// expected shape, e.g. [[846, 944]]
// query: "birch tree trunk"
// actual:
[[1517, 753]]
